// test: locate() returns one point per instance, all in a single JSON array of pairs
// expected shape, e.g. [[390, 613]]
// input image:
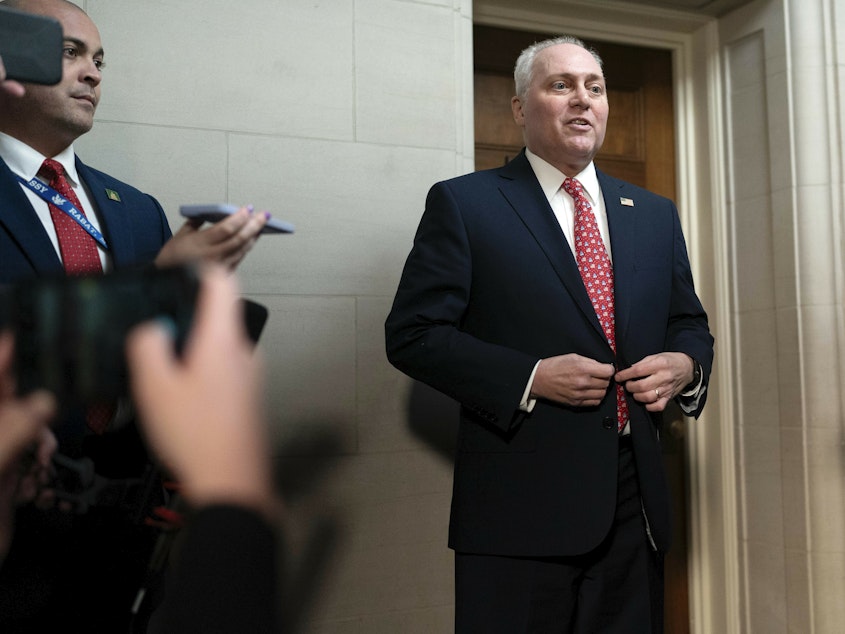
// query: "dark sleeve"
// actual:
[[223, 576], [426, 334], [688, 330]]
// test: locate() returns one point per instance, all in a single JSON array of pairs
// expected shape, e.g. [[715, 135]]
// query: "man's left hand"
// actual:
[[657, 379]]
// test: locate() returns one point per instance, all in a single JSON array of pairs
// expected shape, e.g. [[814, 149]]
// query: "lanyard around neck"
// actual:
[[52, 197]]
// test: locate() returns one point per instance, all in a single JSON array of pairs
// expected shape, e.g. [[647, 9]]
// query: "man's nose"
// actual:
[[92, 73], [580, 97]]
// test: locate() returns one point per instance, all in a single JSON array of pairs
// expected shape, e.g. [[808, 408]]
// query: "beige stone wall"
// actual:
[[337, 116], [782, 63]]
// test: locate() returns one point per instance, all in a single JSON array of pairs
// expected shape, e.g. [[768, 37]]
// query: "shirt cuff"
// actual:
[[690, 399], [527, 403], [693, 391]]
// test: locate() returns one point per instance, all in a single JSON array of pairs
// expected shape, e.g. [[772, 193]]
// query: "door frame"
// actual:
[[714, 577]]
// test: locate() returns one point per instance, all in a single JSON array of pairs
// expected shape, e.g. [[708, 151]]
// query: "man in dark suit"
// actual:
[[43, 124], [62, 571], [556, 304]]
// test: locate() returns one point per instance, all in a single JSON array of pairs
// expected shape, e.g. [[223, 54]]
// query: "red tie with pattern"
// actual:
[[79, 256], [597, 273], [78, 248]]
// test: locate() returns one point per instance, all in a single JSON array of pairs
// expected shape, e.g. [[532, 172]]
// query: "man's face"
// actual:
[[50, 118], [564, 111]]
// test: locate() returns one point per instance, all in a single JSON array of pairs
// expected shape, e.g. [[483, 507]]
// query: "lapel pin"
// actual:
[[627, 202], [113, 195]]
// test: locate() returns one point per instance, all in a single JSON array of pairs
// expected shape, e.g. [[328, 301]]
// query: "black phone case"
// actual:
[[31, 47]]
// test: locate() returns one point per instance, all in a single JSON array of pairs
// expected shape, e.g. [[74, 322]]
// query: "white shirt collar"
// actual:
[[551, 178], [25, 161]]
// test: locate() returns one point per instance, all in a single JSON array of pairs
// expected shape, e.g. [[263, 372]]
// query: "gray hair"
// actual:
[[524, 68]]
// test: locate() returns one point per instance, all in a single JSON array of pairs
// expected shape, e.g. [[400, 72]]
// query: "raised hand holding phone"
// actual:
[[202, 411], [218, 211], [225, 242]]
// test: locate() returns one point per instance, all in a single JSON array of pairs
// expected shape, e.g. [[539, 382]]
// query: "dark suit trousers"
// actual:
[[616, 588]]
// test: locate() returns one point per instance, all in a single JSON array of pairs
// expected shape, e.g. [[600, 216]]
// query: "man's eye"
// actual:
[[100, 64], [559, 85], [69, 51], [596, 90]]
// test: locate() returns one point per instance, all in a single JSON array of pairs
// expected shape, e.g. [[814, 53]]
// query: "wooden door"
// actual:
[[639, 148]]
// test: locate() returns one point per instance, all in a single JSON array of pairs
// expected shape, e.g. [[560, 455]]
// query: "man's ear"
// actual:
[[516, 110]]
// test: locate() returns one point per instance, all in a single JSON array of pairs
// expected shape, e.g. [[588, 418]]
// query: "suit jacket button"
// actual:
[[607, 422]]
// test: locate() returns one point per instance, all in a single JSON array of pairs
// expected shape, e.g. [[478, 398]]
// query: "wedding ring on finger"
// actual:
[[657, 393]]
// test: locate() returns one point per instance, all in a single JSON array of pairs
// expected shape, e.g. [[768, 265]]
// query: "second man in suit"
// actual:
[[63, 572], [556, 304]]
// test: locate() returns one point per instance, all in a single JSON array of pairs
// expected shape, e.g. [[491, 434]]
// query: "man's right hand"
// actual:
[[225, 242], [572, 380]]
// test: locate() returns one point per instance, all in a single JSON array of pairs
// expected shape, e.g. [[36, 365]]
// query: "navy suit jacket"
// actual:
[[132, 222], [135, 226], [65, 570], [489, 288]]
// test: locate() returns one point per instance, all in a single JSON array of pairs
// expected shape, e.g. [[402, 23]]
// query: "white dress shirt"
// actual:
[[563, 205]]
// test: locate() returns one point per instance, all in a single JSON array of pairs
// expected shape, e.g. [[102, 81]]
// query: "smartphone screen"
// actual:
[[70, 332], [31, 47]]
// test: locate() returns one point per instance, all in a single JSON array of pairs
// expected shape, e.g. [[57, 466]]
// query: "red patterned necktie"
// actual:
[[78, 248], [79, 256], [597, 273]]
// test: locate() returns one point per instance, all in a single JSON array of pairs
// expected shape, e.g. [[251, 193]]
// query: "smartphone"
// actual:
[[70, 332], [217, 211], [31, 47]]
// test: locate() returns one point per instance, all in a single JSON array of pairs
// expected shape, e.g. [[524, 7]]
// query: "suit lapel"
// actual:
[[622, 222], [112, 213], [21, 222], [520, 188]]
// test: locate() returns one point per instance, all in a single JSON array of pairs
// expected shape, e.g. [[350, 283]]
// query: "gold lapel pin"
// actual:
[[113, 195]]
